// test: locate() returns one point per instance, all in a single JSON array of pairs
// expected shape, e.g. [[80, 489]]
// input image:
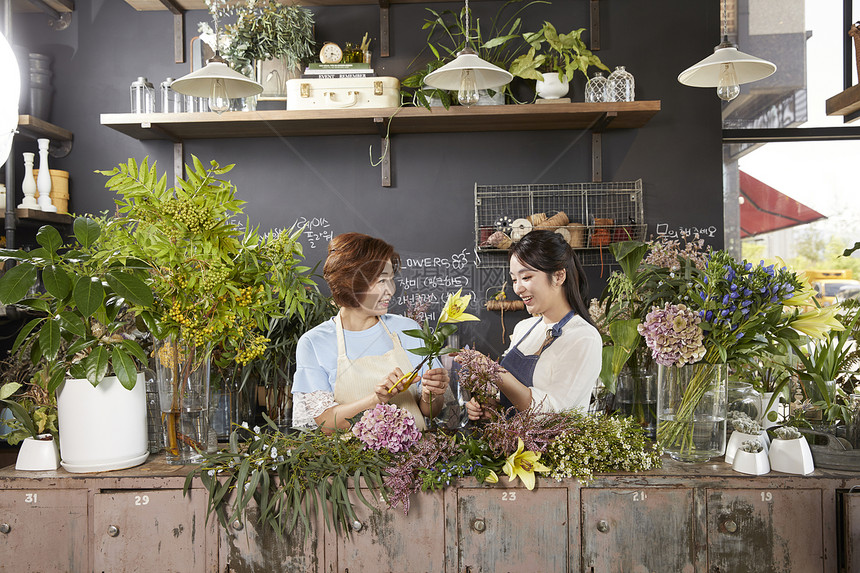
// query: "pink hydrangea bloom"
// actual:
[[386, 426], [673, 335]]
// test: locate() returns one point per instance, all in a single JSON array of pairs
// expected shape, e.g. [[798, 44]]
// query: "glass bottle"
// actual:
[[743, 398], [142, 96], [595, 88], [170, 101], [620, 85]]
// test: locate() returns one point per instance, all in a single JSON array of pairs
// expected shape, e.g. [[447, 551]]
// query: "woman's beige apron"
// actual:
[[357, 378]]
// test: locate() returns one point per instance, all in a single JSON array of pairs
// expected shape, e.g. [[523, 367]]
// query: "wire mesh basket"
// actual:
[[590, 216]]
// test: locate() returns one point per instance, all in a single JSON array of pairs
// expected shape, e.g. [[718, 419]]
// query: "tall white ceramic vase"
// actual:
[[43, 183], [29, 184]]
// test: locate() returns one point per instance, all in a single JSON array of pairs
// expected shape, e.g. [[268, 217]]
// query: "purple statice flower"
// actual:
[[673, 335], [388, 427], [479, 375]]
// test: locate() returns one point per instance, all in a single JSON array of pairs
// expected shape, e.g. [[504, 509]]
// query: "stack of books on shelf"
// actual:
[[318, 70]]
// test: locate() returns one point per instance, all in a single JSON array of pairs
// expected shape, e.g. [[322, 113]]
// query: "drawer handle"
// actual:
[[237, 525], [113, 531], [5, 528], [602, 526], [730, 526], [357, 525], [479, 525]]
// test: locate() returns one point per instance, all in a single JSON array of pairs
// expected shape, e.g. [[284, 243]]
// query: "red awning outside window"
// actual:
[[764, 209]]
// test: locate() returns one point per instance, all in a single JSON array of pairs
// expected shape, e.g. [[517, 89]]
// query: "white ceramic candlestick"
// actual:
[[29, 184], [44, 181]]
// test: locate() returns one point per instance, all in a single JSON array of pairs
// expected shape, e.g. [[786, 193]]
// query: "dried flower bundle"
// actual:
[[479, 375]]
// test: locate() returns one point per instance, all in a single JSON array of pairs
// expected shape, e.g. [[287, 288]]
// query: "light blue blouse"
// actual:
[[316, 352]]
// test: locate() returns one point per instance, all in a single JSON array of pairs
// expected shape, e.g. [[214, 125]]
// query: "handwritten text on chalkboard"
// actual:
[[318, 231]]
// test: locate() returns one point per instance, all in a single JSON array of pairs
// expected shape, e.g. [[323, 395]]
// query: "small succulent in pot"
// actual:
[[746, 425], [752, 446], [787, 433]]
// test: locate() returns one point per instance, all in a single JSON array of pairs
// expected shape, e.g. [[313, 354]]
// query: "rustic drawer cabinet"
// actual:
[[126, 520], [510, 529], [658, 521], [43, 529], [159, 528], [701, 518], [751, 530]]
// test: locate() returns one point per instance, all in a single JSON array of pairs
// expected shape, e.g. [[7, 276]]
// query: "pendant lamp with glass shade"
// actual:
[[727, 68], [10, 79], [217, 81], [468, 73]]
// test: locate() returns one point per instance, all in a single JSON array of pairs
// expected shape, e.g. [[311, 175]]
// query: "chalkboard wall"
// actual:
[[428, 213]]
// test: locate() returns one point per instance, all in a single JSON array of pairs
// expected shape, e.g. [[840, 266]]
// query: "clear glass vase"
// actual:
[[636, 396], [231, 400], [595, 88], [182, 371], [743, 398], [691, 411], [620, 85]]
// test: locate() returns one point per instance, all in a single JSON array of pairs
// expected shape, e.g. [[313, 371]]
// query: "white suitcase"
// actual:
[[343, 93]]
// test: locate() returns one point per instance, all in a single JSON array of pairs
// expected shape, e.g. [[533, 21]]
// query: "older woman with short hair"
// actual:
[[353, 361]]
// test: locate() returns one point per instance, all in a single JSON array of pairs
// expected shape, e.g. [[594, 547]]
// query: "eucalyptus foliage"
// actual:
[[291, 477], [268, 30]]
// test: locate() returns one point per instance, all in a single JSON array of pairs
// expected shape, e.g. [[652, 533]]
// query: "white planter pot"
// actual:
[[791, 456], [38, 455], [755, 464], [551, 87], [738, 438], [104, 427]]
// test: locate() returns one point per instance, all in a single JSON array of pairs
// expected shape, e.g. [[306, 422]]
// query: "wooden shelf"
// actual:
[[149, 5], [178, 127], [844, 103], [36, 216], [61, 6], [35, 128]]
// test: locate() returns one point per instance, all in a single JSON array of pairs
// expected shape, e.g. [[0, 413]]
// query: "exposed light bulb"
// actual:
[[468, 93], [727, 86], [218, 100]]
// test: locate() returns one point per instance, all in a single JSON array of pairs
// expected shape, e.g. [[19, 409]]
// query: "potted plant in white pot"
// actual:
[[745, 429], [553, 65], [789, 452], [38, 450], [497, 43], [751, 458], [85, 343]]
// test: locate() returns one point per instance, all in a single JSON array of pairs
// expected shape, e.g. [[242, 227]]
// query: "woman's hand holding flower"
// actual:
[[434, 382]]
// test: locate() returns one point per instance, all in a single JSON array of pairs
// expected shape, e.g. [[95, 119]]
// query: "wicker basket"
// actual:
[[558, 220], [536, 219], [577, 235]]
